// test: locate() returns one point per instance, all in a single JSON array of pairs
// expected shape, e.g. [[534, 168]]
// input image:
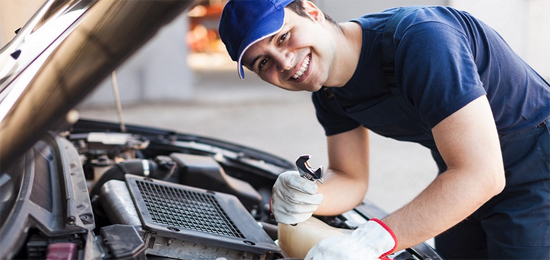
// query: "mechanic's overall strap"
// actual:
[[388, 47]]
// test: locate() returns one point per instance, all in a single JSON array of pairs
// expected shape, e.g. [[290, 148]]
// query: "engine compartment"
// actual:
[[98, 193], [178, 224]]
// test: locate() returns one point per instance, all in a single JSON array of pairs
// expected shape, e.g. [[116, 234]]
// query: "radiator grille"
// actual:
[[185, 209], [42, 187]]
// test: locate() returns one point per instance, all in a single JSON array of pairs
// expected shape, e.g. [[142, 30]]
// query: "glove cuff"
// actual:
[[383, 225], [270, 201]]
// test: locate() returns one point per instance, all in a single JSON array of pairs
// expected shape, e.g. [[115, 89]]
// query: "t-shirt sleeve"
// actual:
[[436, 71], [332, 121]]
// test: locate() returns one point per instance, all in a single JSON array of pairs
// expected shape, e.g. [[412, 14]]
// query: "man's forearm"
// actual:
[[449, 199], [341, 193], [468, 142]]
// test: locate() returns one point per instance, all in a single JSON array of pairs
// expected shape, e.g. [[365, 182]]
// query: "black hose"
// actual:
[[131, 166]]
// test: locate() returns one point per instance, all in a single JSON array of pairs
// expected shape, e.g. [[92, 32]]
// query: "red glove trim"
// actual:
[[270, 200], [383, 256]]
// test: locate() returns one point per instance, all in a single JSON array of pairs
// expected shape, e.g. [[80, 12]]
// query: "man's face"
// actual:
[[296, 58]]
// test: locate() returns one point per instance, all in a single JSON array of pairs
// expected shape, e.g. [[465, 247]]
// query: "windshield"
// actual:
[[3, 77], [7, 66]]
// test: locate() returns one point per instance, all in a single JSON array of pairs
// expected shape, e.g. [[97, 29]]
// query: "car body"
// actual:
[[82, 189]]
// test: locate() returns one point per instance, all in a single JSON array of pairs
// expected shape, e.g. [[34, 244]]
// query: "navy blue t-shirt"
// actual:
[[444, 59]]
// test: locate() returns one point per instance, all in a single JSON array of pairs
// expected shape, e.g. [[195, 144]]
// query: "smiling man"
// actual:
[[431, 75]]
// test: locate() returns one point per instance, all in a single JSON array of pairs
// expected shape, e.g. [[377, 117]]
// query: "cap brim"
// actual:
[[271, 25]]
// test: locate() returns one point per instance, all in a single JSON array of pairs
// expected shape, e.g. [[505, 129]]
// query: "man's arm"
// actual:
[[346, 178], [468, 142]]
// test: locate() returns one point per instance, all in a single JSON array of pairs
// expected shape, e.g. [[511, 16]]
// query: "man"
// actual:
[[459, 90]]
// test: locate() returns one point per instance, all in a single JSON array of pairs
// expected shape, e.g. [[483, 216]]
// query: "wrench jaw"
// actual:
[[307, 172]]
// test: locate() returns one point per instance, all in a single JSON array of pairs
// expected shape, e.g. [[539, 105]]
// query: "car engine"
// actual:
[[95, 192]]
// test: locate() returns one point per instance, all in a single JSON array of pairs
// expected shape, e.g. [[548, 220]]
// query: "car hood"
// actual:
[[65, 50]]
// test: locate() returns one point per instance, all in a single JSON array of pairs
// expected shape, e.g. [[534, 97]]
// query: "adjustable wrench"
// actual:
[[307, 172]]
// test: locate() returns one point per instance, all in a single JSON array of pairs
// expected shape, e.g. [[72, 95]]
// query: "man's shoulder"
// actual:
[[420, 17], [436, 17]]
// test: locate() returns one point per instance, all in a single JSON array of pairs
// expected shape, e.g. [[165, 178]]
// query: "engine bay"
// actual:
[[98, 193]]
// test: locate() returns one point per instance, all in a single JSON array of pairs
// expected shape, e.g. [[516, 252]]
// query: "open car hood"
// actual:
[[61, 55]]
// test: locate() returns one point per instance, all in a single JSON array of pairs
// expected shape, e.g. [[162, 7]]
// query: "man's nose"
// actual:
[[284, 60]]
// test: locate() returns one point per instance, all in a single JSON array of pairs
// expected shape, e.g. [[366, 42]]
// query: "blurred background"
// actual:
[[184, 80]]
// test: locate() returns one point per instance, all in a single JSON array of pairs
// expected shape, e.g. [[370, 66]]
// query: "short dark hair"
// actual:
[[298, 7]]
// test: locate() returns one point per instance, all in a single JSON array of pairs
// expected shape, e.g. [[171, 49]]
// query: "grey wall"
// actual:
[[344, 10]]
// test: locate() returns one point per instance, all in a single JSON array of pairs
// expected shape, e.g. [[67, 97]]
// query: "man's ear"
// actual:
[[313, 11]]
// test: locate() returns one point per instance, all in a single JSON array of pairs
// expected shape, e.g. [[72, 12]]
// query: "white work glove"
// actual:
[[372, 240], [294, 198]]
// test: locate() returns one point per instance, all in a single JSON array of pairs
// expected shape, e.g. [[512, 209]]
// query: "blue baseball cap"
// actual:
[[245, 22]]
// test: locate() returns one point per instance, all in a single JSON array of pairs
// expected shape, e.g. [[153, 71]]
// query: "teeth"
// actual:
[[302, 69]]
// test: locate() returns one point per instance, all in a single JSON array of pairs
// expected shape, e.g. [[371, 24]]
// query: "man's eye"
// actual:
[[283, 37], [262, 63]]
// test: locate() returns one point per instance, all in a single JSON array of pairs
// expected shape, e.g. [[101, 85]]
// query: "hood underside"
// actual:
[[61, 55]]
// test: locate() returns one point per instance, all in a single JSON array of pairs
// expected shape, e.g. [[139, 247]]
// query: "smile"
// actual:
[[302, 69]]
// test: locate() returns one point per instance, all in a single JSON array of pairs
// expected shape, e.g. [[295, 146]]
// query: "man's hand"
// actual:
[[294, 198], [373, 240]]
